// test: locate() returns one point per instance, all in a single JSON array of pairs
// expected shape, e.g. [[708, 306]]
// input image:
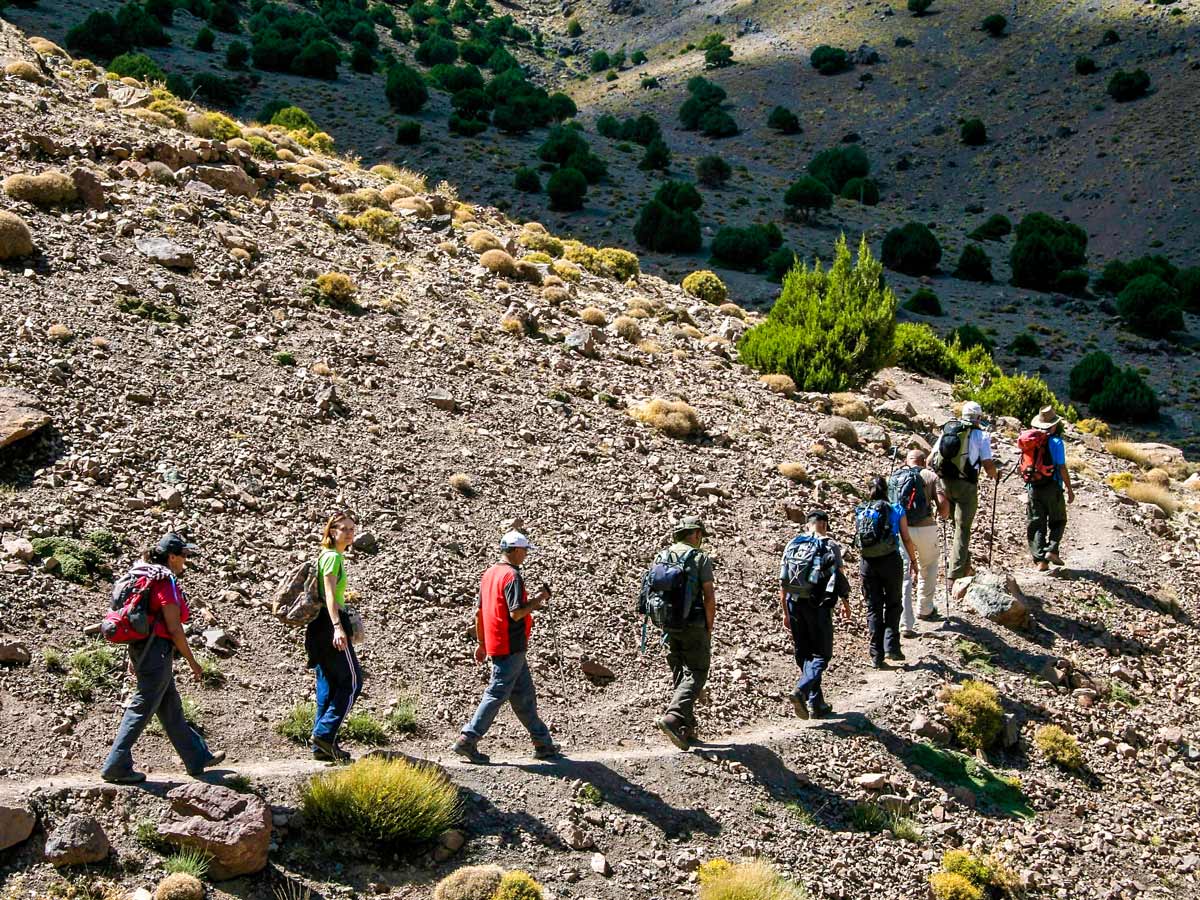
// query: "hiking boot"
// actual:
[[878, 663], [215, 760], [130, 777], [466, 748], [819, 710], [896, 656], [933, 616], [547, 751], [799, 705], [1055, 559], [908, 634], [1043, 566], [676, 734], [328, 750]]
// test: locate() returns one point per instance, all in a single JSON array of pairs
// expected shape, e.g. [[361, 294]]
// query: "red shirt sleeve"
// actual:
[[166, 592]]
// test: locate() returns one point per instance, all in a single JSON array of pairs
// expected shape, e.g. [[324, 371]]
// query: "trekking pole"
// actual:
[[992, 533], [892, 469], [946, 576]]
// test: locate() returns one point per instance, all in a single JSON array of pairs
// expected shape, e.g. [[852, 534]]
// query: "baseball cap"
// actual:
[[689, 523], [172, 543], [818, 515], [515, 540], [972, 411]]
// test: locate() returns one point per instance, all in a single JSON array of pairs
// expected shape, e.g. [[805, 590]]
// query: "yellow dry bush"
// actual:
[[1143, 492], [535, 226], [214, 126], [518, 885], [1158, 477], [15, 237], [414, 181], [512, 325], [469, 883], [952, 886], [732, 310], [1128, 451], [172, 111], [540, 240], [778, 384], [316, 162], [150, 117], [542, 259], [615, 263], [1059, 747], [640, 307], [1118, 481], [566, 270], [446, 190], [394, 192], [262, 148], [748, 881], [850, 407], [418, 205], [363, 198], [674, 418], [462, 483], [59, 332], [794, 471], [713, 869], [707, 286], [26, 71], [555, 294], [976, 717], [180, 886], [483, 240], [499, 262], [463, 212], [593, 315], [377, 224], [49, 188], [580, 254], [628, 329], [284, 154], [240, 143], [46, 47], [1098, 427], [336, 289], [691, 331], [385, 171], [984, 872]]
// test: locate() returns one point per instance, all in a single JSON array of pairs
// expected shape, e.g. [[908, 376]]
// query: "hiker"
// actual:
[[879, 529], [1044, 470], [811, 581], [680, 582], [329, 642], [503, 622], [917, 488], [152, 663], [958, 461]]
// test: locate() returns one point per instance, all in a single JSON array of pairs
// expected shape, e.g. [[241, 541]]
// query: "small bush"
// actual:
[[593, 315], [707, 286], [973, 133], [742, 248], [976, 717], [574, 29], [180, 886], [1019, 396], [1117, 274], [996, 227], [1024, 344], [829, 60], [483, 240], [139, 66], [214, 126], [783, 120], [498, 262], [191, 862], [995, 24], [918, 7], [952, 886], [612, 262], [716, 123], [567, 187], [78, 561], [1150, 306], [1046, 250], [974, 264], [205, 38], [918, 349], [838, 165], [390, 804], [408, 132], [674, 418], [599, 61], [985, 873], [861, 190], [90, 669], [50, 188], [335, 289], [924, 302], [628, 329], [1145, 492], [526, 180], [778, 384], [746, 881], [378, 224], [1089, 375], [1085, 65], [1059, 747], [16, 239], [1098, 427], [293, 118], [807, 196], [911, 249], [1126, 86], [405, 89], [518, 885], [540, 241], [470, 883], [794, 471]]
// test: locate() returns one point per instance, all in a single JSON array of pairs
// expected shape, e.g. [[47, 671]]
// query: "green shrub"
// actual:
[[996, 227], [783, 120], [188, 861], [293, 118], [829, 60], [974, 264], [712, 171], [918, 7], [1125, 397], [405, 89], [574, 29], [1024, 344], [1117, 274], [317, 59], [390, 804], [205, 39], [704, 97], [973, 133], [1045, 250], [237, 55], [741, 248], [436, 50], [657, 158], [838, 165], [137, 65], [918, 349], [1126, 86], [976, 717], [1059, 747], [599, 61], [402, 719], [807, 332], [995, 24], [408, 132], [1187, 283], [452, 79], [668, 223], [806, 196], [911, 249], [1085, 65], [518, 885], [716, 123], [93, 667], [861, 190], [561, 106], [718, 57], [779, 263], [78, 561], [924, 302], [707, 286], [1089, 374], [464, 126], [987, 875], [1019, 396], [103, 35], [567, 187], [1150, 306], [526, 179]]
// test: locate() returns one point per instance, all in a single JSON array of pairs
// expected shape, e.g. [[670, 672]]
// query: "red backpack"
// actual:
[[129, 618], [1036, 465]]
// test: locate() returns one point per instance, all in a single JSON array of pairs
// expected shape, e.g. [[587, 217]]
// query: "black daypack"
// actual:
[[907, 489], [808, 565], [950, 457], [873, 532], [667, 596]]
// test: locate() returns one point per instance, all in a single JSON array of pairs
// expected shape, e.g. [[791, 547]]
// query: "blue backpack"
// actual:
[[667, 595], [874, 534]]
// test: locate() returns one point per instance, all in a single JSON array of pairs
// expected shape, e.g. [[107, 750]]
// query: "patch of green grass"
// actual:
[[105, 541], [188, 862], [90, 669], [403, 717], [800, 813], [78, 561], [589, 793], [905, 829], [360, 726], [210, 672], [243, 784], [297, 724], [965, 771], [53, 660], [146, 834], [284, 358], [191, 714], [975, 655], [1118, 693], [869, 817]]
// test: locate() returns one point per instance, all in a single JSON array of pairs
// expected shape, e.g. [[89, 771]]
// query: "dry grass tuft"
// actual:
[[779, 384], [794, 471], [462, 482], [26, 71], [673, 418], [528, 271], [15, 237], [499, 262], [60, 333], [592, 315], [850, 407], [483, 240], [46, 47], [418, 205], [721, 880], [1143, 492], [49, 188], [469, 883], [732, 310], [1128, 451], [628, 329], [362, 199], [214, 126], [1158, 477], [180, 886], [336, 289], [394, 192], [555, 295], [1059, 747]]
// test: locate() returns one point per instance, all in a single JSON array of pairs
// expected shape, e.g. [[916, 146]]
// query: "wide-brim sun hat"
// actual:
[[1046, 419], [689, 523]]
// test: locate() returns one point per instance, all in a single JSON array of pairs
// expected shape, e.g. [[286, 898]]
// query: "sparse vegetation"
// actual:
[[976, 717], [49, 188], [1059, 747], [924, 302], [189, 861], [973, 133], [336, 290], [470, 883], [16, 239], [974, 264], [707, 286], [674, 418], [911, 249], [721, 880], [1126, 86]]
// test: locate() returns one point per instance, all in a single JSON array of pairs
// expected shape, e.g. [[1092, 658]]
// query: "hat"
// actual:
[[972, 411], [172, 544], [1046, 419], [689, 523], [515, 540], [817, 515]]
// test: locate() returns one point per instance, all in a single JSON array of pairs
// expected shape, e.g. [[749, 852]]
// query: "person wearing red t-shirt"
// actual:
[[503, 622], [152, 663]]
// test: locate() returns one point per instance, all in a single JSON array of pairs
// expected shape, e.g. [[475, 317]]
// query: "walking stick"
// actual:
[[992, 533], [946, 576], [895, 451]]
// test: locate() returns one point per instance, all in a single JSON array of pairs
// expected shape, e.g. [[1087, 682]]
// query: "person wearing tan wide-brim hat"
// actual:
[[1048, 492]]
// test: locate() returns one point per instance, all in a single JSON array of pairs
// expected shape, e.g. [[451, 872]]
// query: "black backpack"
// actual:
[[873, 533], [907, 489], [951, 457], [667, 596], [808, 564]]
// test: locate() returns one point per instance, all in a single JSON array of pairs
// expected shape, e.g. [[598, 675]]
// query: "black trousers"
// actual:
[[812, 637], [883, 578]]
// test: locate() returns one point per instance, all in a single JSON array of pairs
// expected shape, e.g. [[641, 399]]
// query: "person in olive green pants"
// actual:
[[963, 492]]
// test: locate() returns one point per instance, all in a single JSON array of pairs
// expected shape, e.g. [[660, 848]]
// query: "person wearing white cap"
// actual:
[[962, 450], [1047, 478], [503, 622]]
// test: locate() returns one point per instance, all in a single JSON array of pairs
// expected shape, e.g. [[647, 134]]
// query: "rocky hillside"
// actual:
[[237, 347]]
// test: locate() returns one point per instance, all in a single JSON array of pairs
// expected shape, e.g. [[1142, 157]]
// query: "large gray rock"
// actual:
[[840, 429], [16, 823], [230, 179], [870, 433], [234, 829], [19, 416], [995, 596], [78, 841], [165, 252]]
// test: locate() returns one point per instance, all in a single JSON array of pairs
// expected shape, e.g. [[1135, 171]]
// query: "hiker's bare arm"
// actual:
[[480, 649], [710, 605], [1065, 474], [943, 503], [538, 601], [170, 614], [909, 547], [989, 466], [787, 622], [339, 635]]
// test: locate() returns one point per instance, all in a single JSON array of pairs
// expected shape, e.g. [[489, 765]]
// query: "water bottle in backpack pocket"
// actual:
[[874, 533], [666, 597], [807, 567]]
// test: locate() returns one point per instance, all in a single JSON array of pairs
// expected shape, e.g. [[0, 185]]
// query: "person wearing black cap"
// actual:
[[152, 661], [811, 582]]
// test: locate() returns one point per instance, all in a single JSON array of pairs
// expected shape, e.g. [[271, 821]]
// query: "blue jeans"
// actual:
[[155, 694], [812, 639], [339, 682], [511, 683]]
